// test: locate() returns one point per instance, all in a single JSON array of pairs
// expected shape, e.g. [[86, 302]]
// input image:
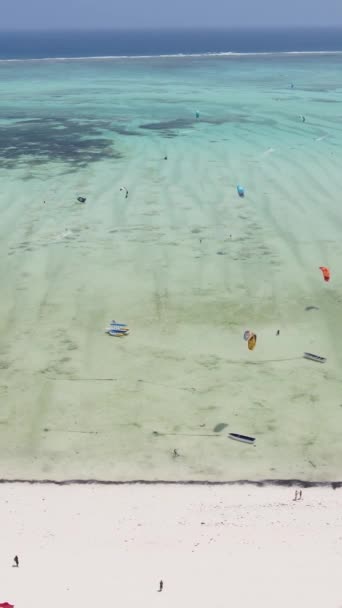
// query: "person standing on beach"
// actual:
[[300, 495], [16, 562], [161, 585]]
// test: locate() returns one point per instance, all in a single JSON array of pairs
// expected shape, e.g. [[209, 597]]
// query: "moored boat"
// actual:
[[313, 357], [243, 438]]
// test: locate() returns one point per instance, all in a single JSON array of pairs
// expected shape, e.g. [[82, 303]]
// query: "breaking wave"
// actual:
[[174, 56]]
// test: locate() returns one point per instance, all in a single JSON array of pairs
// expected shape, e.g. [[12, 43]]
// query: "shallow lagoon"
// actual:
[[185, 262]]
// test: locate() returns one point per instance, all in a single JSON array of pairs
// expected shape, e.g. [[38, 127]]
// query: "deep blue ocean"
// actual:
[[53, 44]]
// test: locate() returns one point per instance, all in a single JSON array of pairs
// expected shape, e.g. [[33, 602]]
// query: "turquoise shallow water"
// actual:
[[67, 104], [185, 262]]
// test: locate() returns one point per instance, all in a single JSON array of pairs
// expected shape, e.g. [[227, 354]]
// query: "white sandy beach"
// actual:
[[216, 546]]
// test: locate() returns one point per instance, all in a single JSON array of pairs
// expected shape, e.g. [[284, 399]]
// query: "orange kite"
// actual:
[[252, 342], [325, 272]]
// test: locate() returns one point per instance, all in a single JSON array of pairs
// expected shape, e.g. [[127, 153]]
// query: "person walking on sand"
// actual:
[[296, 495], [161, 585], [300, 495], [16, 562]]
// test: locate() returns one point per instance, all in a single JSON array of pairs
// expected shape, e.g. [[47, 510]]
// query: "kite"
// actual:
[[247, 334], [252, 342], [240, 191], [325, 272]]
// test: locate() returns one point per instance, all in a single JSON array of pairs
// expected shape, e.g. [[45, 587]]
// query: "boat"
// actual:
[[117, 332], [243, 438], [316, 358], [240, 190]]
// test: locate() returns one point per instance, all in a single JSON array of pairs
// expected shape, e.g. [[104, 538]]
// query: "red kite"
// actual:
[[325, 272], [6, 605]]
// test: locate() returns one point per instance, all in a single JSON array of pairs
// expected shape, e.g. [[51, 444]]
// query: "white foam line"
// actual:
[[173, 56]]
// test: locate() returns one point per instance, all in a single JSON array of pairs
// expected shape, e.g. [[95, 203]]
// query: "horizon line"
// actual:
[[170, 28]]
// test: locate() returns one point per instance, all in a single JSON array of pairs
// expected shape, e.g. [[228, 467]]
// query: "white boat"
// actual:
[[316, 358]]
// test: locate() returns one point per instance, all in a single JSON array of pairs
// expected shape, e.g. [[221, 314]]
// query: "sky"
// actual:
[[91, 14]]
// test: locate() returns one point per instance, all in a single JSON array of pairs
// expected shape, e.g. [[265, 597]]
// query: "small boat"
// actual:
[[115, 330], [244, 438], [316, 358], [240, 191]]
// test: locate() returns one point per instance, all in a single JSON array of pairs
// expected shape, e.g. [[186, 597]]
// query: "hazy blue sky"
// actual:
[[33, 14]]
